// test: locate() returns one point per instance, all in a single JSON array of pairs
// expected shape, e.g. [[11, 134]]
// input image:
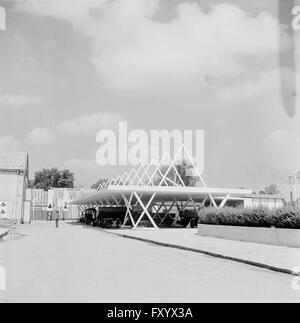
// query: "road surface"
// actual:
[[75, 263]]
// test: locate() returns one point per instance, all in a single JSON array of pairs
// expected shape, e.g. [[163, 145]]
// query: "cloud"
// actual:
[[251, 87], [90, 124], [9, 143], [18, 101], [131, 50], [39, 137]]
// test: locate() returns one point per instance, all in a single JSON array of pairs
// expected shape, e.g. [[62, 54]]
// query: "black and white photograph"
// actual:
[[149, 154]]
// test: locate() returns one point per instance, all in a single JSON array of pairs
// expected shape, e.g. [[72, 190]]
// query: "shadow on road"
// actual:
[[13, 236]]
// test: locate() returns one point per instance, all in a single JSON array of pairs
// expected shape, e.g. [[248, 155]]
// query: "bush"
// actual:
[[286, 218]]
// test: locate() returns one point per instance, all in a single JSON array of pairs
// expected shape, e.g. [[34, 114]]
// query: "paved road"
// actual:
[[75, 263]]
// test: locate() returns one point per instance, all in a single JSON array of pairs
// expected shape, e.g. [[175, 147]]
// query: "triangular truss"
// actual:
[[82, 192], [165, 173]]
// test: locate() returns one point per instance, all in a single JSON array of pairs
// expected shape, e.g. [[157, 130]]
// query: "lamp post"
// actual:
[[294, 179]]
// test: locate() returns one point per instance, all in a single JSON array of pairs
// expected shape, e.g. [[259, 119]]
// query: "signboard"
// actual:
[[3, 209], [50, 199], [49, 207]]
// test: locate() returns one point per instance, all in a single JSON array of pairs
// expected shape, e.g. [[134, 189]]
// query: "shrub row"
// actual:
[[257, 217]]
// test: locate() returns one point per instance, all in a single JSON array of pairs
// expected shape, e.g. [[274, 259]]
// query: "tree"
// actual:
[[272, 189], [184, 170], [30, 183], [96, 185], [47, 178], [66, 179]]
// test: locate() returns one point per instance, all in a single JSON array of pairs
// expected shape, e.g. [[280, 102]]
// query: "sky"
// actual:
[[71, 68]]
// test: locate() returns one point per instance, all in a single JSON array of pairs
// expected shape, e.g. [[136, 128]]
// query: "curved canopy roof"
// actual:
[[162, 193]]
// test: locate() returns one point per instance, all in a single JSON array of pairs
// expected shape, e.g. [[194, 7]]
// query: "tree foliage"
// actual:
[[285, 217], [272, 189], [47, 178], [184, 169], [98, 183]]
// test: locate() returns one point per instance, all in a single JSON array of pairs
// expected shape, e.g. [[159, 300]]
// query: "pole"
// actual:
[[33, 215]]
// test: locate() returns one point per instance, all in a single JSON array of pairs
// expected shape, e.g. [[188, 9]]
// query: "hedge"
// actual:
[[252, 217]]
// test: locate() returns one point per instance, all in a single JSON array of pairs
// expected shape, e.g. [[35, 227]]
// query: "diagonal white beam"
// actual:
[[225, 199], [145, 210], [129, 208]]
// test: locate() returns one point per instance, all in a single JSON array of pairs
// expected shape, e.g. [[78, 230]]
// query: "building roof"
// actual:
[[10, 160]]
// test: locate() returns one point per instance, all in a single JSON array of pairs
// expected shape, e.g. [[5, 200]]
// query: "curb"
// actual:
[[209, 253], [3, 235]]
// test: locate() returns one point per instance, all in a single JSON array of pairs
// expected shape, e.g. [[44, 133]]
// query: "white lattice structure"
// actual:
[[152, 188]]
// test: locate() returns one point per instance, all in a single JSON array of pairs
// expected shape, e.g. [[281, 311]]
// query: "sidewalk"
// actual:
[[281, 259]]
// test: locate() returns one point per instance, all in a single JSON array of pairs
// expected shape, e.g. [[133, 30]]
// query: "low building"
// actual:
[[264, 200], [46, 205], [13, 183]]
